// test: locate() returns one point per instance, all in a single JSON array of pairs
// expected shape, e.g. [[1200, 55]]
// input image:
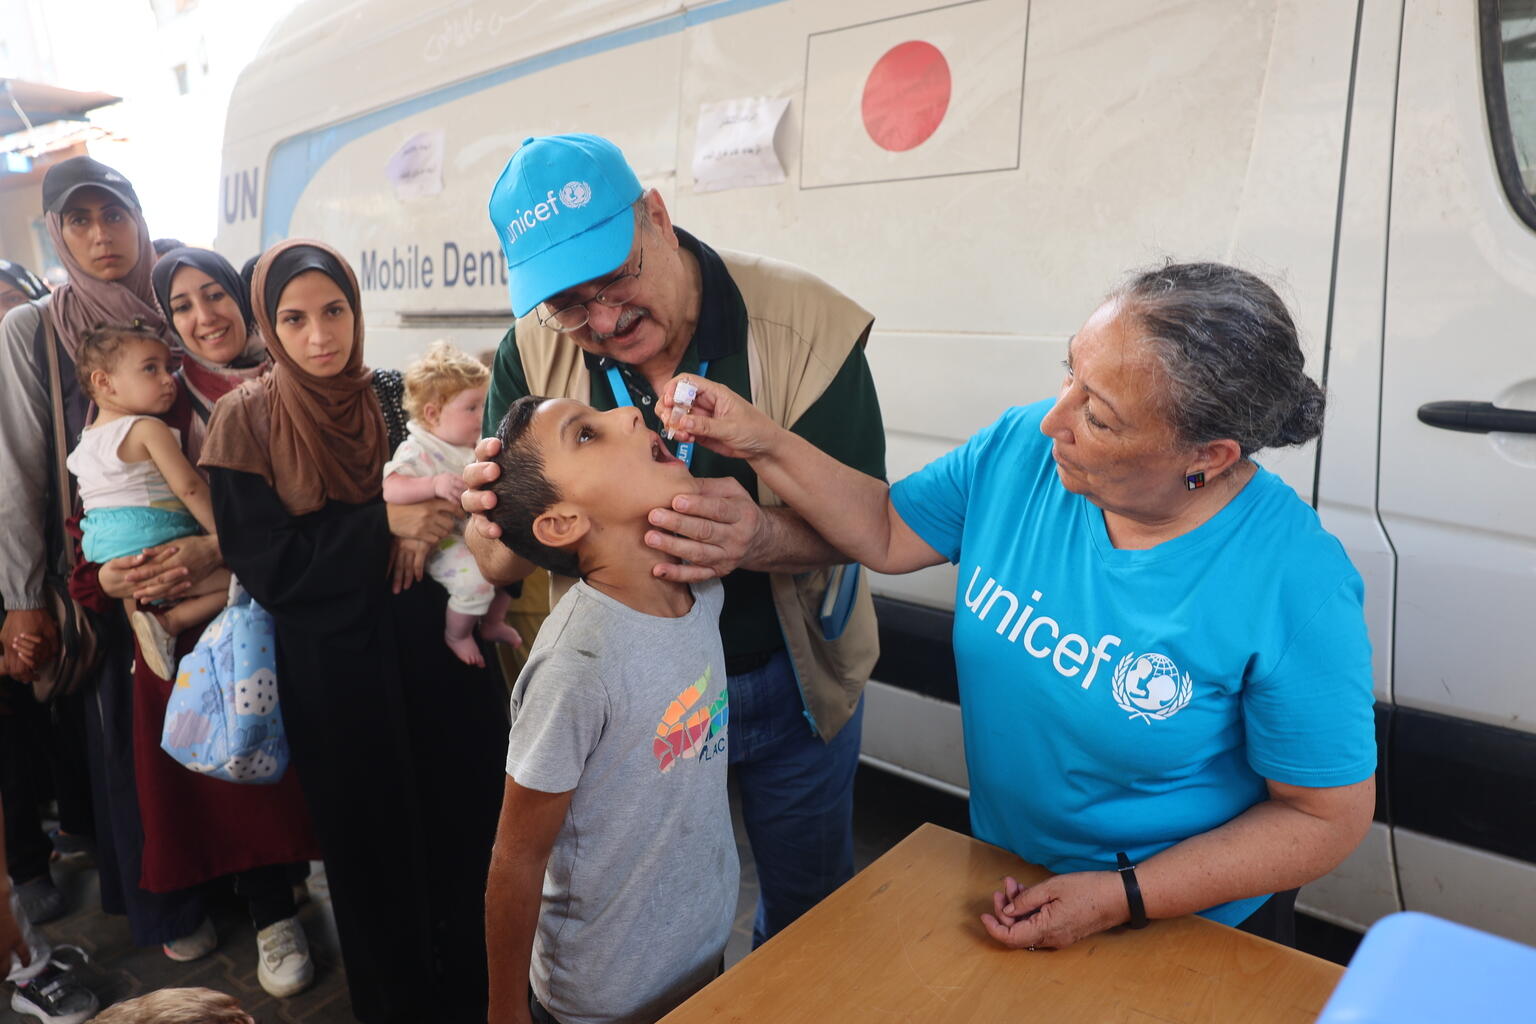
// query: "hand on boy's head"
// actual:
[[479, 499], [480, 475], [487, 448], [481, 523]]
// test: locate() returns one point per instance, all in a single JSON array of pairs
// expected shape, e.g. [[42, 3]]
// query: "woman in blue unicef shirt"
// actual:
[[1164, 672]]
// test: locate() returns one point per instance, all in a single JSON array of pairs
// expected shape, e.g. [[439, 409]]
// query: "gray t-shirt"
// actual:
[[630, 711]]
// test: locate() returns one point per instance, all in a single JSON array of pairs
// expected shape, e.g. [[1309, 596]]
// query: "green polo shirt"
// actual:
[[844, 422]]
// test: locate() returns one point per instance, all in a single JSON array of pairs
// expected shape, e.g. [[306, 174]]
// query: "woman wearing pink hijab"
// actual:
[[98, 230]]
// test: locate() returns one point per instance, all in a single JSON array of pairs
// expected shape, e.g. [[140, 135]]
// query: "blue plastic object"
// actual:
[[222, 719], [837, 602], [1413, 968]]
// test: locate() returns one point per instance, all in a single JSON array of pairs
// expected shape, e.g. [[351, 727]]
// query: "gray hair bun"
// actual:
[[1230, 353]]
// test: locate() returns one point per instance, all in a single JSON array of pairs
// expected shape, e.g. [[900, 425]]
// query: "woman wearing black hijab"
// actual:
[[208, 308], [400, 747]]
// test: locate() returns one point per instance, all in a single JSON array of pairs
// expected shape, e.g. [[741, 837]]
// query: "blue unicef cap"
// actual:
[[561, 210]]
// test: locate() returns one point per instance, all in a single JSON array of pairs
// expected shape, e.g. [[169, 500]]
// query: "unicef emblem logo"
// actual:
[[575, 195], [1150, 686]]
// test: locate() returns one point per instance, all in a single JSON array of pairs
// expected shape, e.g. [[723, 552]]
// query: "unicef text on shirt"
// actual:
[[413, 268], [1070, 651]]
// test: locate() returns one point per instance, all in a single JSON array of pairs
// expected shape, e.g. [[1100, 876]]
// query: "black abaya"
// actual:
[[400, 747]]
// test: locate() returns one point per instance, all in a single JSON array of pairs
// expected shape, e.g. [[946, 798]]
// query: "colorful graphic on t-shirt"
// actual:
[[677, 739]]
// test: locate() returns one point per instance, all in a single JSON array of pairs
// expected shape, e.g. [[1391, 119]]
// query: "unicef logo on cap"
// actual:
[[575, 195], [1150, 686]]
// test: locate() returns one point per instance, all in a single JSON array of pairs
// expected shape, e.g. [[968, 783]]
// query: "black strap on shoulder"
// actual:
[[62, 490]]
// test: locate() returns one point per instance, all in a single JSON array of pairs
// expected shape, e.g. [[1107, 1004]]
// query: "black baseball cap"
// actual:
[[77, 172]]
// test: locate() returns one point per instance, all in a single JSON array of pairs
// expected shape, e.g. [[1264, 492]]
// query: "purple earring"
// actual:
[[1194, 481]]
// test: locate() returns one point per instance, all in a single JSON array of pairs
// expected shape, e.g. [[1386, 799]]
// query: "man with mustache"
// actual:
[[614, 300]]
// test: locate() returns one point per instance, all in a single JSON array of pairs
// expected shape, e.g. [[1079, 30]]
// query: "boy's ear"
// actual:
[[430, 412], [561, 526]]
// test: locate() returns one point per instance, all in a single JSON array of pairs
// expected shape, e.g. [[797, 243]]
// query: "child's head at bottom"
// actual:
[[574, 480], [126, 368], [176, 1006], [445, 393]]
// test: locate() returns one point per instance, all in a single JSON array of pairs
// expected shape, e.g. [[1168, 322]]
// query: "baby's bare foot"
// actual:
[[465, 648], [500, 633]]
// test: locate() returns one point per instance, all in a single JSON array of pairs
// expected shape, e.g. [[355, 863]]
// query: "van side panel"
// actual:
[[1461, 286], [1364, 888], [978, 279], [436, 258]]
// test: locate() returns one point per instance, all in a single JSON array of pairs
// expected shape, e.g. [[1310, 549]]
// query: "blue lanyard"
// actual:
[[621, 397]]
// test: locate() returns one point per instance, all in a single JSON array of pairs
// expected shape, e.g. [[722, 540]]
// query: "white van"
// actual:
[[1373, 158]]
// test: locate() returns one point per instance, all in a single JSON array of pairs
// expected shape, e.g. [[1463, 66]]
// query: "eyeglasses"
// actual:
[[621, 291]]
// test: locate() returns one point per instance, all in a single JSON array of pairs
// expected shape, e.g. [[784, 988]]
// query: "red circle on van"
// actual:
[[906, 96]]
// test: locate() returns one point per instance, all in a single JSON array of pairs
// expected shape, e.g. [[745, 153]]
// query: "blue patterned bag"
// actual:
[[223, 719]]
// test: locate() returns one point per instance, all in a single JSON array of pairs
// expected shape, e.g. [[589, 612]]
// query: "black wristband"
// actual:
[[1132, 892]]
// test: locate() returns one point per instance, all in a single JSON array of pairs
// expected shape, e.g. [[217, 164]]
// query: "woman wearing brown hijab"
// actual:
[[400, 747]]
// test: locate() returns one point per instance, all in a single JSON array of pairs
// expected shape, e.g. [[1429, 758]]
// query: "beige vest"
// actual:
[[799, 333]]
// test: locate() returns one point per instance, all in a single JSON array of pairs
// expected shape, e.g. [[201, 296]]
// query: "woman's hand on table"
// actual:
[[428, 521], [1059, 911], [407, 562], [720, 419]]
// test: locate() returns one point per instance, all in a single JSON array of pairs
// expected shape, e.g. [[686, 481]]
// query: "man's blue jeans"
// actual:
[[796, 794]]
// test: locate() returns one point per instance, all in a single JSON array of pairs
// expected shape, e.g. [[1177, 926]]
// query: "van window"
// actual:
[[1509, 81]]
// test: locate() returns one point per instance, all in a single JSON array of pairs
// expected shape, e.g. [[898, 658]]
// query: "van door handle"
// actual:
[[1477, 417]]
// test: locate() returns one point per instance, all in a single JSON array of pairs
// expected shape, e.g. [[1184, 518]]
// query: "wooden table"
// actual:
[[902, 941]]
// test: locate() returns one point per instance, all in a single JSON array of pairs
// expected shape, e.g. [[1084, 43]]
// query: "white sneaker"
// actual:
[[156, 646], [283, 965], [53, 996], [194, 946]]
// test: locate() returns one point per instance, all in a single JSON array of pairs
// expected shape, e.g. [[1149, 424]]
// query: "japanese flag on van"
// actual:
[[920, 96]]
